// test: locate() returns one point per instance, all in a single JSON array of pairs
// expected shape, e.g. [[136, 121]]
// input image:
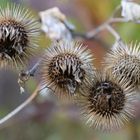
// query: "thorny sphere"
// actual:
[[124, 61], [19, 33], [68, 77], [106, 102], [66, 66], [128, 67], [107, 99], [13, 38]]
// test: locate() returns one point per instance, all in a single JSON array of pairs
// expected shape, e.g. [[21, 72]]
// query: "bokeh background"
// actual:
[[45, 118]]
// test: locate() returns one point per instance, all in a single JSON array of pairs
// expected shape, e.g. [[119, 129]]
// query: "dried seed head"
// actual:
[[130, 10], [106, 103], [124, 61], [18, 35], [55, 24], [65, 67]]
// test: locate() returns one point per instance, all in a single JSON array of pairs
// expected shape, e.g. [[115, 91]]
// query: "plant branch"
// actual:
[[4, 120], [94, 32], [91, 34], [113, 32], [24, 76], [32, 71]]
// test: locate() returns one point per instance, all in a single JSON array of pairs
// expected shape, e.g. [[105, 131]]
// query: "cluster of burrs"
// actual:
[[106, 98]]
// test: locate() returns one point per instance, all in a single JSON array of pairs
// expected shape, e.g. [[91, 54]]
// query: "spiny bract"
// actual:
[[124, 61], [106, 103], [65, 66], [19, 32]]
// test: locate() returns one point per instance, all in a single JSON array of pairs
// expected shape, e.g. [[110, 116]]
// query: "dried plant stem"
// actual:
[[92, 34], [4, 120], [32, 71], [117, 20], [101, 27], [107, 26], [113, 32], [24, 76]]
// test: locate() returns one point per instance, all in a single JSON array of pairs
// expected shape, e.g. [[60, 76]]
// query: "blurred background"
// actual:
[[45, 118]]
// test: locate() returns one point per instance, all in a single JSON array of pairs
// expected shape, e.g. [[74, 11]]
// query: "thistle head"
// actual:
[[65, 66], [19, 32], [106, 103], [124, 61]]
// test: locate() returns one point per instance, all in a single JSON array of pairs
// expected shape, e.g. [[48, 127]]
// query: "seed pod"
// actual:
[[106, 103], [124, 61], [19, 32], [65, 66]]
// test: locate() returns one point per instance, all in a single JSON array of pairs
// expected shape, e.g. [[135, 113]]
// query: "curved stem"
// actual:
[[4, 120], [113, 32]]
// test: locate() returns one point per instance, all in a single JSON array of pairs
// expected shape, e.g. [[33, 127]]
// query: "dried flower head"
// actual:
[[55, 24], [19, 32], [65, 66], [106, 103], [130, 10], [124, 61]]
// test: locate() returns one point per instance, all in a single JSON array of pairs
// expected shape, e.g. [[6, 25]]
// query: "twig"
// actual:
[[117, 20], [83, 36], [103, 26], [94, 32], [106, 25], [32, 71], [113, 32], [4, 120], [24, 76]]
